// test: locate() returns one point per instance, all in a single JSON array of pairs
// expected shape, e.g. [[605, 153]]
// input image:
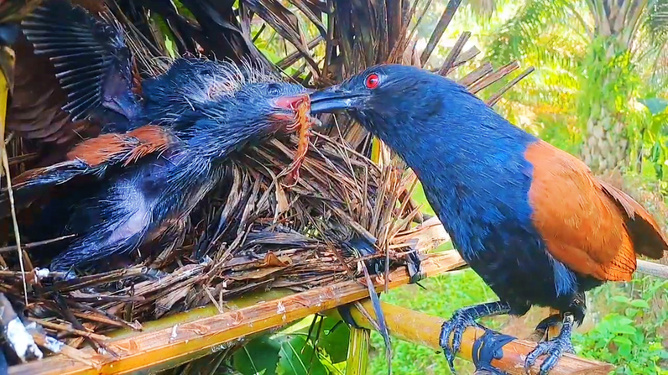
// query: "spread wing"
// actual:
[[91, 61], [45, 97], [93, 157], [37, 99], [592, 227]]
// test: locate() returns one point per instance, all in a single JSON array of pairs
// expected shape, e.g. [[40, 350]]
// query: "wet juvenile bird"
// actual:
[[532, 220], [136, 186]]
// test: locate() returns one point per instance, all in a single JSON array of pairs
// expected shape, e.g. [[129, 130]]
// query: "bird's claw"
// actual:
[[554, 349], [455, 327]]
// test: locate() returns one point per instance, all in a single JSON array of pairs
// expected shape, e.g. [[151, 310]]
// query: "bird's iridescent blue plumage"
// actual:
[[489, 183], [172, 139], [471, 163]]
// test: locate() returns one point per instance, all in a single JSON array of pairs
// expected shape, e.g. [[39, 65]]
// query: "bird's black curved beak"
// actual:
[[335, 98]]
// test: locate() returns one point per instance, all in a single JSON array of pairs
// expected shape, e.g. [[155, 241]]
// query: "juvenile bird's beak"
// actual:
[[291, 103], [335, 98], [287, 106]]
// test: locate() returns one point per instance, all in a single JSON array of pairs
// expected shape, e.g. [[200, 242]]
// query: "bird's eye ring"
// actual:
[[372, 81]]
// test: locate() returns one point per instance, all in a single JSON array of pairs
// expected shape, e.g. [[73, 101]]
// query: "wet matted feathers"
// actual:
[[256, 235], [192, 84], [161, 151]]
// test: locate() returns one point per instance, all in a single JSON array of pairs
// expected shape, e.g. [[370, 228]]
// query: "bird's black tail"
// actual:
[[92, 62]]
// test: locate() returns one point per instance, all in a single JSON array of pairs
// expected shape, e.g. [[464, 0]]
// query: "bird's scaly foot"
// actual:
[[462, 319], [554, 348], [457, 325]]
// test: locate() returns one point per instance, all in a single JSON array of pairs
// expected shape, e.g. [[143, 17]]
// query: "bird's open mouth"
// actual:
[[292, 109], [297, 112]]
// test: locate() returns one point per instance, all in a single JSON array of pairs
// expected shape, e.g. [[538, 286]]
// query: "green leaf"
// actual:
[[623, 321], [655, 154], [632, 312], [625, 329], [640, 303], [621, 299], [297, 357], [655, 105], [260, 355], [622, 341], [334, 342]]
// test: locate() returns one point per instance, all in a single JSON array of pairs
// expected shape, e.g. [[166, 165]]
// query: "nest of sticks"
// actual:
[[252, 232]]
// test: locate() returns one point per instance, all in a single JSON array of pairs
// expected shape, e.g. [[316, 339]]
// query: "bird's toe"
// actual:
[[454, 327], [554, 349], [530, 360]]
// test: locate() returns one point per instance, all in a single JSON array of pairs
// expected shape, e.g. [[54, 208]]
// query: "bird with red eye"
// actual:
[[372, 81], [530, 219], [127, 193]]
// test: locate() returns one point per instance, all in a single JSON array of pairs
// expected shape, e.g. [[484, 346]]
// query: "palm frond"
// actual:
[[518, 36]]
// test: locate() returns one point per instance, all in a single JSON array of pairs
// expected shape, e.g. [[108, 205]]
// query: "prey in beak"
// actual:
[[299, 109]]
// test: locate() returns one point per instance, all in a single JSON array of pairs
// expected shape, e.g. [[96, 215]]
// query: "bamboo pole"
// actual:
[[171, 344], [424, 329]]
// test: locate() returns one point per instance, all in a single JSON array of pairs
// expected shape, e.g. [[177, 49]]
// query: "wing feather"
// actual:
[[589, 226], [89, 54], [91, 157]]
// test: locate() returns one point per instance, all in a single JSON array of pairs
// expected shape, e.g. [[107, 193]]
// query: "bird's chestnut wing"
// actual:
[[94, 156], [113, 148], [646, 235], [587, 225]]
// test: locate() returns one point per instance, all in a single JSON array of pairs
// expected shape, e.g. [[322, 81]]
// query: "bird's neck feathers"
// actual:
[[217, 139], [196, 85], [444, 131]]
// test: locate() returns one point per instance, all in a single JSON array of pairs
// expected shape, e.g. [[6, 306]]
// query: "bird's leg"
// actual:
[[542, 331], [554, 348], [462, 319]]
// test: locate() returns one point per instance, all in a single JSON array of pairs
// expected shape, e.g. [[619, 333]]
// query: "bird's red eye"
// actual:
[[372, 81]]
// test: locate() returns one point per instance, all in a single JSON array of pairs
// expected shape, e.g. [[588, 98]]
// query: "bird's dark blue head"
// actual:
[[223, 106], [419, 114], [410, 109], [386, 96]]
